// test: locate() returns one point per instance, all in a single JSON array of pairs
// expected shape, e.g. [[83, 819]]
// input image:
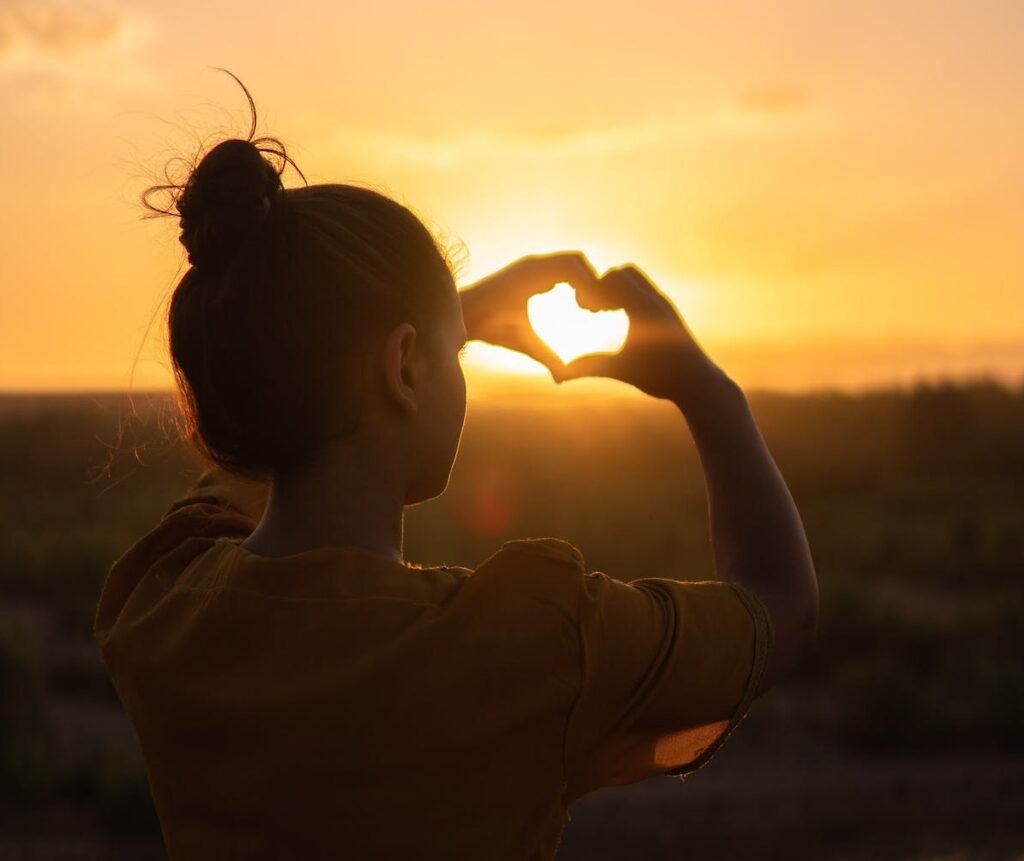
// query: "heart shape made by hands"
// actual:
[[572, 331]]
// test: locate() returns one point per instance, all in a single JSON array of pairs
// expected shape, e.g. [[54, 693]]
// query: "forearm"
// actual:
[[757, 537]]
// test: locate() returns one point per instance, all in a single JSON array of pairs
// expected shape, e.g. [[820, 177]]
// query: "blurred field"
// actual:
[[899, 738]]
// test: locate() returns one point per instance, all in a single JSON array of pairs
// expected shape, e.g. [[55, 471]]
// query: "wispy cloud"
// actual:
[[773, 111], [53, 27], [442, 152], [764, 111], [71, 51], [772, 101]]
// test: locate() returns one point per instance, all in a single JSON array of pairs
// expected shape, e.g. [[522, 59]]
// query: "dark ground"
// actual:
[[781, 804], [899, 738]]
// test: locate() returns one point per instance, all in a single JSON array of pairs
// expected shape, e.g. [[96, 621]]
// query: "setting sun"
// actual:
[[573, 331], [814, 213]]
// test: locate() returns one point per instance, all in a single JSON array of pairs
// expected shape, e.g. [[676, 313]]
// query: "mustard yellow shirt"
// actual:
[[339, 704]]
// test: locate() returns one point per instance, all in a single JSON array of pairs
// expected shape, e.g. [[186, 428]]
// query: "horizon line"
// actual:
[[621, 390]]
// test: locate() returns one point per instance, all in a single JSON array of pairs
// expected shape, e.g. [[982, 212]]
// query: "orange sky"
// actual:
[[831, 192]]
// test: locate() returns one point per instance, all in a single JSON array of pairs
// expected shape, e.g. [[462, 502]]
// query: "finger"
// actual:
[[536, 349], [638, 277], [571, 266], [648, 287], [593, 365], [615, 289]]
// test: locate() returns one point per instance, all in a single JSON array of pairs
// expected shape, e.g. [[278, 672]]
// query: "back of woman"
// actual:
[[300, 689]]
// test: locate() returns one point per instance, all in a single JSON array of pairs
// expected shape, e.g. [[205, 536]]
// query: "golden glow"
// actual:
[[501, 243], [490, 358], [573, 331], [790, 200]]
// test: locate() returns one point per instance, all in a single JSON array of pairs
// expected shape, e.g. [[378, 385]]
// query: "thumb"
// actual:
[[536, 349], [592, 365]]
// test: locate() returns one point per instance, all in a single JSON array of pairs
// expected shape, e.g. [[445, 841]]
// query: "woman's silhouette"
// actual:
[[298, 689]]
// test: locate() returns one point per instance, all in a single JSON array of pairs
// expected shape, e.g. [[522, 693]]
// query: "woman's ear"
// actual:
[[402, 367]]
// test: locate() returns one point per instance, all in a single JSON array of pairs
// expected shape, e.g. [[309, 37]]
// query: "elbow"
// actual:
[[807, 618], [812, 621], [794, 620], [801, 620], [802, 637]]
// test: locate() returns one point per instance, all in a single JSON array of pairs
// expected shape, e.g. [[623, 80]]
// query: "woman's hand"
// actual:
[[661, 356], [494, 308]]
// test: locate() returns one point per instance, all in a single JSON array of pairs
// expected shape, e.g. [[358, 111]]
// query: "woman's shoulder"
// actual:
[[555, 549], [531, 571]]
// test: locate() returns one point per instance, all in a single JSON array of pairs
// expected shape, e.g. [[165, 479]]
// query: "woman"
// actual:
[[298, 689]]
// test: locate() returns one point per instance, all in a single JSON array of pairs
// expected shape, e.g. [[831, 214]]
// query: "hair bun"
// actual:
[[225, 201]]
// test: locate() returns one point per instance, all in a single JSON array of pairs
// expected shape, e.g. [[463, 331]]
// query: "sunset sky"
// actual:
[[832, 193]]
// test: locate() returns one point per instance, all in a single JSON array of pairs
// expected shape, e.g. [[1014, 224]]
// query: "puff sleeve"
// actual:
[[668, 668]]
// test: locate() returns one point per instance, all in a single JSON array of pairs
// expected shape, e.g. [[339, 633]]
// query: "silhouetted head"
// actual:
[[309, 314]]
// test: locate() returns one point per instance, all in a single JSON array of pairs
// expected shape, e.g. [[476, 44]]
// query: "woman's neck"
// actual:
[[347, 498]]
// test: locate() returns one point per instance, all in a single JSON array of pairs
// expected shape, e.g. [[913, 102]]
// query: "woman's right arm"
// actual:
[[757, 537]]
